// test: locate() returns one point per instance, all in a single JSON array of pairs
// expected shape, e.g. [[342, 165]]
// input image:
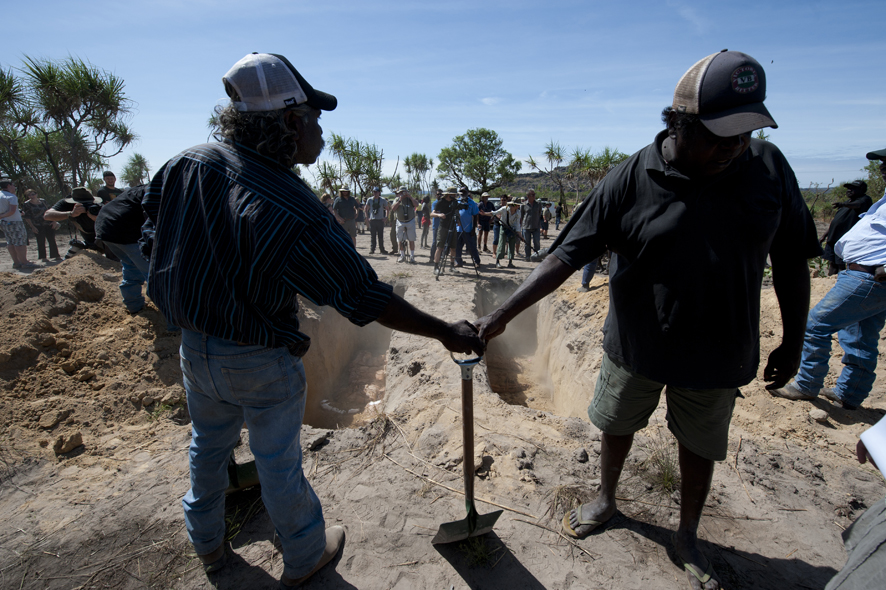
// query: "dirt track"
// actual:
[[106, 514]]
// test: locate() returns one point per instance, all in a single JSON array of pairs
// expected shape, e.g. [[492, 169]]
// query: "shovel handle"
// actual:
[[467, 420]]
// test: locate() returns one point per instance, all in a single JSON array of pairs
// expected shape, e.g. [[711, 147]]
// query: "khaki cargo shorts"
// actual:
[[698, 418]]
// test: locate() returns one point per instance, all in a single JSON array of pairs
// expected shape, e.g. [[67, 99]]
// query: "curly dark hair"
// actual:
[[685, 122], [266, 132]]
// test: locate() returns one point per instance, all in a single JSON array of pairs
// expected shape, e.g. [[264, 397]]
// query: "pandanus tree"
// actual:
[[60, 121]]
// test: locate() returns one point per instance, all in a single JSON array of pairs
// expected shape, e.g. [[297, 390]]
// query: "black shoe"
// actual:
[[372, 251], [511, 265], [385, 252]]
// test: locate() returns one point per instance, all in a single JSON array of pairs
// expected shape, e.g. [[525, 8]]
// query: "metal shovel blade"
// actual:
[[473, 525]]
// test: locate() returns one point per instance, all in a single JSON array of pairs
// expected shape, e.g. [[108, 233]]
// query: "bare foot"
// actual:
[[593, 514], [699, 570]]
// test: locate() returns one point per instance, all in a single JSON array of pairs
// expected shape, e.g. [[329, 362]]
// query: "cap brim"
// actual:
[[743, 119], [316, 98], [877, 155], [322, 100]]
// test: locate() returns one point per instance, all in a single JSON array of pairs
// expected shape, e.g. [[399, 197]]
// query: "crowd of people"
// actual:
[[702, 192], [452, 217], [78, 206]]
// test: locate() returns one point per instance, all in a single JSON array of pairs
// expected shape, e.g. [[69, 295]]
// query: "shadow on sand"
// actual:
[[509, 575]]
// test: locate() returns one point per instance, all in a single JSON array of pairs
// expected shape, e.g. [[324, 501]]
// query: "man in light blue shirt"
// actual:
[[855, 308]]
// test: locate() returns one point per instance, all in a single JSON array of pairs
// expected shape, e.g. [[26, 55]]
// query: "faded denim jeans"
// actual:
[[855, 308], [135, 274], [229, 384]]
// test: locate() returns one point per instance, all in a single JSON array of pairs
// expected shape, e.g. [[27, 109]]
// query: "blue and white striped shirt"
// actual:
[[237, 237]]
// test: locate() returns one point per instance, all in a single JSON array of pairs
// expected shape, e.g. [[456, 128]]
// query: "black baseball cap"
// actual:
[[877, 155], [726, 90], [859, 184]]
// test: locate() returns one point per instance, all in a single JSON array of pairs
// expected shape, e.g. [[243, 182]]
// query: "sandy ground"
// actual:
[[93, 452]]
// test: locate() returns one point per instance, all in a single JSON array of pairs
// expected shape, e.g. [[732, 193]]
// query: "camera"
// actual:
[[463, 203]]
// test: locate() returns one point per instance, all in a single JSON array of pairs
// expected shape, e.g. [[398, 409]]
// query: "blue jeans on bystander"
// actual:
[[228, 384], [135, 274], [532, 237], [855, 308]]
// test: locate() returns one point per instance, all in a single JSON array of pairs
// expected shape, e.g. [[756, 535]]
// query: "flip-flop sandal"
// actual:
[[703, 579], [567, 527]]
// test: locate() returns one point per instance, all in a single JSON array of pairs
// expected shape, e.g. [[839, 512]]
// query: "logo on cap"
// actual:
[[290, 101], [745, 80]]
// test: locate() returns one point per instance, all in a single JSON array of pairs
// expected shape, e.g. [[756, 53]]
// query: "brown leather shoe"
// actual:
[[791, 392], [335, 539], [213, 561]]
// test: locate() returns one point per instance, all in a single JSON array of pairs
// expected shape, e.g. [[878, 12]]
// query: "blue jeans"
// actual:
[[468, 239], [855, 308], [434, 227], [135, 274], [535, 236], [588, 271], [229, 384], [495, 233], [557, 225]]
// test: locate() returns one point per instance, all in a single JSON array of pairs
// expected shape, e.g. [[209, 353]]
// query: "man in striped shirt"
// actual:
[[238, 236]]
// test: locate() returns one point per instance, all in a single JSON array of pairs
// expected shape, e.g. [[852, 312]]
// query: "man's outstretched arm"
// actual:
[[544, 280], [790, 279], [402, 316]]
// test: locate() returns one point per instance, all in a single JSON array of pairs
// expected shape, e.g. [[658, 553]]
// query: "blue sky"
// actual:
[[410, 76]]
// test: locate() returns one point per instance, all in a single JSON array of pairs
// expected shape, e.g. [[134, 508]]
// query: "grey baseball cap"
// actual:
[[877, 155]]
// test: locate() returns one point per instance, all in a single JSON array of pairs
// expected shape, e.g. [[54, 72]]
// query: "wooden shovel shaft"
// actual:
[[467, 420]]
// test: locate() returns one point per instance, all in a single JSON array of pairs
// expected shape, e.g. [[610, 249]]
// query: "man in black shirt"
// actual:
[[847, 216], [118, 227], [82, 209], [108, 192], [445, 210], [706, 193]]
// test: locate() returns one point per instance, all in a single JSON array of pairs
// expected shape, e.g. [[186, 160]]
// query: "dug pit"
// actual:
[[542, 361], [345, 368]]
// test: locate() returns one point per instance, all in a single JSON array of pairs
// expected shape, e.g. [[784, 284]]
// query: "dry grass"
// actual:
[[565, 498], [477, 551], [240, 511], [660, 471]]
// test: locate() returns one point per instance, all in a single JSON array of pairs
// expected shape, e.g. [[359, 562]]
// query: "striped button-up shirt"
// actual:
[[238, 236]]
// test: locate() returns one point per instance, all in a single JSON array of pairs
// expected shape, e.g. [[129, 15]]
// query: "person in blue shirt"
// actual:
[[468, 213], [239, 236], [855, 308]]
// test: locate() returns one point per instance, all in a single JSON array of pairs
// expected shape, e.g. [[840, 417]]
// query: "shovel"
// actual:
[[474, 524]]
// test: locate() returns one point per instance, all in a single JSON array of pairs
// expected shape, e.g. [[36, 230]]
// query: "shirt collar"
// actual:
[[655, 161]]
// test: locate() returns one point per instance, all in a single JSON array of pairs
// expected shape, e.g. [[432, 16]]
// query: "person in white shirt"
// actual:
[[13, 226], [510, 232], [855, 308]]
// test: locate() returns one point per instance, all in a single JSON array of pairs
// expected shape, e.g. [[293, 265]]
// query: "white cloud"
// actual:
[[690, 14], [490, 100]]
